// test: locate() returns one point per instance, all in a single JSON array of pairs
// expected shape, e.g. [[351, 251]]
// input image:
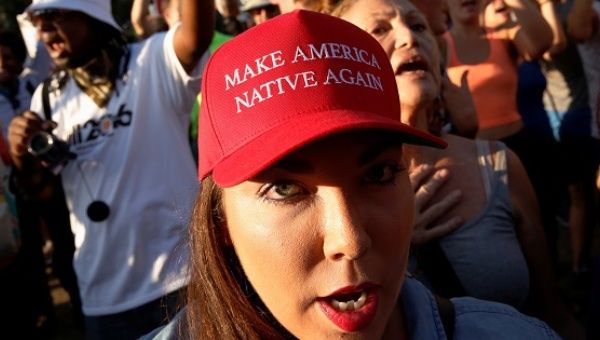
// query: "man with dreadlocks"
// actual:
[[123, 112]]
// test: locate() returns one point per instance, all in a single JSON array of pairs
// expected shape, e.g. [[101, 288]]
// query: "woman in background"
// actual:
[[496, 254]]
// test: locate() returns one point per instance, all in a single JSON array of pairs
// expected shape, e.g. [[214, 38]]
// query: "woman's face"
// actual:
[[67, 35], [403, 32], [465, 10], [323, 235], [496, 14], [286, 6]]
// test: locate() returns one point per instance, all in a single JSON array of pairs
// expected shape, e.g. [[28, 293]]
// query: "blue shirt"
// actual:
[[474, 319]]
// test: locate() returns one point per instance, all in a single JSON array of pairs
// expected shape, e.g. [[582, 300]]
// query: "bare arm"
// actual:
[[532, 36], [559, 39], [194, 35], [580, 20], [543, 289], [459, 105], [139, 17]]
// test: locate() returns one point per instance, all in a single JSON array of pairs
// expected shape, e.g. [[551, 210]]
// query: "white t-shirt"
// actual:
[[134, 155]]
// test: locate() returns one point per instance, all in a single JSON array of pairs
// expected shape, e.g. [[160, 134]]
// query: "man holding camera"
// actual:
[[118, 138]]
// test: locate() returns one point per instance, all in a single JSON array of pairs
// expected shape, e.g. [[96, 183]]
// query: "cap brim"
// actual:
[[273, 145], [249, 8], [253, 5], [96, 13]]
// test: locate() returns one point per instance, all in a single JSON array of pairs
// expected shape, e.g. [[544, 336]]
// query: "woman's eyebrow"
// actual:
[[414, 13], [382, 13], [375, 150]]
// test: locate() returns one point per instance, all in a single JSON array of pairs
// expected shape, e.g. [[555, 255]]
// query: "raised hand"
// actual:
[[426, 181]]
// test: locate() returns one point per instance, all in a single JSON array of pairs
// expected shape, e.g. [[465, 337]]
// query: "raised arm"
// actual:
[[532, 36], [559, 39], [459, 105], [544, 298], [139, 16], [580, 20], [194, 35]]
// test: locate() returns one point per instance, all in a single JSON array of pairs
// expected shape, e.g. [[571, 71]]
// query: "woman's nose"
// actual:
[[344, 228], [404, 37]]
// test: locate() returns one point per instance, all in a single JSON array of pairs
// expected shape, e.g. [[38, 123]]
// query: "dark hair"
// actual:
[[221, 301], [14, 40]]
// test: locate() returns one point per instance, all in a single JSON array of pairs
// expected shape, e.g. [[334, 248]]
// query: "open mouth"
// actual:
[[55, 46], [413, 65], [351, 309], [349, 302]]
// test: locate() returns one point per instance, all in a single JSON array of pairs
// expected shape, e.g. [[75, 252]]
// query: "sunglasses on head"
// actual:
[[55, 16]]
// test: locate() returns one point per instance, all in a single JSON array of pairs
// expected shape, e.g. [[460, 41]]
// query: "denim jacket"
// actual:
[[474, 319]]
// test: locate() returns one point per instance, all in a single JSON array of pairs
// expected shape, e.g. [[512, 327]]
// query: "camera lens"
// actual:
[[40, 143]]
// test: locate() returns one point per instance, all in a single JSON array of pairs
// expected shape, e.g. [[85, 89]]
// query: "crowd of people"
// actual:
[[301, 168]]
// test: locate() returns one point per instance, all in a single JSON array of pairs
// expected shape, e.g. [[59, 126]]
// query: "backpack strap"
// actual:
[[446, 309], [438, 270]]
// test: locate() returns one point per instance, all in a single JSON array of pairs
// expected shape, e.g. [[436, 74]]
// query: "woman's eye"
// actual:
[[383, 173], [379, 30], [418, 27], [282, 191]]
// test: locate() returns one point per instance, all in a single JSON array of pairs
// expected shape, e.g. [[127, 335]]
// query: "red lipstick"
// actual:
[[351, 308]]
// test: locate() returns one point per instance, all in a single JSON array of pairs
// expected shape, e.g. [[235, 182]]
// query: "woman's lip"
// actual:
[[352, 289], [352, 320]]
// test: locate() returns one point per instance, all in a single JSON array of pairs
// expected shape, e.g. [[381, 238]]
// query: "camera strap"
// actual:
[[46, 98]]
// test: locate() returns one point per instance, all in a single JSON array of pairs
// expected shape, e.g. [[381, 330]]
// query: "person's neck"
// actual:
[[98, 66], [396, 327], [415, 116], [414, 154], [467, 29]]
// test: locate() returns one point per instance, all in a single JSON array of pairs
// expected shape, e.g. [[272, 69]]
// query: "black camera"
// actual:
[[50, 150]]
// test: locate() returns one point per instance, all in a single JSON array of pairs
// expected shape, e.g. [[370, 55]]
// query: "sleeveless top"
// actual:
[[493, 82], [485, 252], [532, 85]]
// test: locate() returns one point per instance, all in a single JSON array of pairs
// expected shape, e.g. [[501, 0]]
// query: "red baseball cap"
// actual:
[[296, 78]]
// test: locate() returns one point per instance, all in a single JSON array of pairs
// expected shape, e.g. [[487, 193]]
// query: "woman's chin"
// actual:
[[416, 98], [413, 90]]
